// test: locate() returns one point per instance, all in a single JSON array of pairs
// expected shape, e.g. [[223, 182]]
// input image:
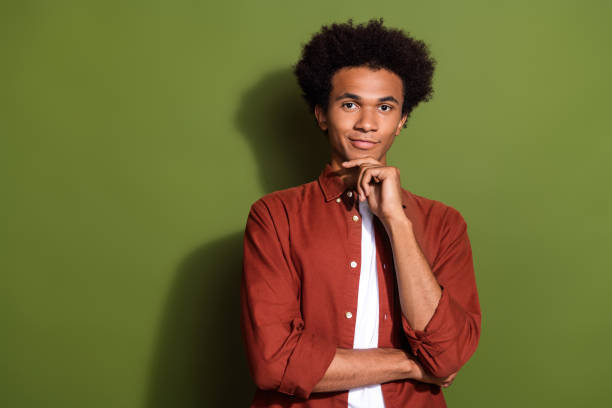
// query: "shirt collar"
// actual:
[[331, 183], [333, 186]]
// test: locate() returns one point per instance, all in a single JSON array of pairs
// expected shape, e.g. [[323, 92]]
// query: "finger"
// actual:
[[449, 380], [364, 185], [451, 377], [358, 183], [376, 175], [371, 175], [360, 161], [360, 191], [365, 181]]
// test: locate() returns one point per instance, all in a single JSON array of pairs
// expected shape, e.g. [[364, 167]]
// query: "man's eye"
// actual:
[[386, 106], [346, 104]]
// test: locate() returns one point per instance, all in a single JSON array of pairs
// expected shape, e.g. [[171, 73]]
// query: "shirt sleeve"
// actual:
[[451, 336], [283, 354]]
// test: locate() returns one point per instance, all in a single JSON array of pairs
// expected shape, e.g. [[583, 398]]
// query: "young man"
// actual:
[[356, 292]]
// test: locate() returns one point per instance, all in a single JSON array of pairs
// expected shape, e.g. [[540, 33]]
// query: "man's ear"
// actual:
[[321, 117], [400, 124]]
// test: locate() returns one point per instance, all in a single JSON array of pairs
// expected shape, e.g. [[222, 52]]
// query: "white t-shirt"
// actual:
[[366, 323]]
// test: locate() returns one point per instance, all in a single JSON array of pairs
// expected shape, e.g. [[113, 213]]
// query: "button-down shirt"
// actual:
[[300, 281]]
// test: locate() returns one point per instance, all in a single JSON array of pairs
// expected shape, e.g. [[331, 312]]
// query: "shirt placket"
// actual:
[[352, 263]]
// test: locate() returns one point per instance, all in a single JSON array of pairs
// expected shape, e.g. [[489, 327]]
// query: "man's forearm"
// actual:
[[418, 288], [353, 368]]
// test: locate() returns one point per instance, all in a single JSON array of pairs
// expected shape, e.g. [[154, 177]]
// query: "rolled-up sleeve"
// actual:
[[451, 336], [283, 354]]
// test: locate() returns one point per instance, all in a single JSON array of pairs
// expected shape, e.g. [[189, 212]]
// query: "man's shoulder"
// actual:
[[289, 198], [431, 210]]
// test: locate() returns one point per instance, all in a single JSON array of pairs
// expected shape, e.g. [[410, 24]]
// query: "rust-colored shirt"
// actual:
[[302, 250]]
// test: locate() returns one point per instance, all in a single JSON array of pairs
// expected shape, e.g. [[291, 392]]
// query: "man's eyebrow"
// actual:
[[357, 97]]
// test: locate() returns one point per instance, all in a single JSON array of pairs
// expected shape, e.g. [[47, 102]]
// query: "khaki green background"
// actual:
[[134, 136]]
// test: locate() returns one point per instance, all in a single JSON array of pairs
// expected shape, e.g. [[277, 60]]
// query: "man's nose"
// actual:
[[367, 121]]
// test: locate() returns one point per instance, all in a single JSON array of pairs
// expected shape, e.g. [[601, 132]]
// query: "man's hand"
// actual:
[[380, 185], [420, 374]]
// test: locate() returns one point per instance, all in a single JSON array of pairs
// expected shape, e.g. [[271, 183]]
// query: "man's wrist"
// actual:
[[396, 223], [405, 364], [410, 368]]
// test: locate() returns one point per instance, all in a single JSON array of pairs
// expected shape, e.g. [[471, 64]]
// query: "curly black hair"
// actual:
[[371, 45]]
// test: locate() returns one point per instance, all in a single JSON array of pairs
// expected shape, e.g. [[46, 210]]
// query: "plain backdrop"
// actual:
[[135, 135]]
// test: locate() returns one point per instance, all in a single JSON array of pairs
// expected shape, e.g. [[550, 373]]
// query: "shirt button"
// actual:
[[385, 316], [355, 218], [349, 193], [353, 264], [338, 199], [348, 315], [384, 266]]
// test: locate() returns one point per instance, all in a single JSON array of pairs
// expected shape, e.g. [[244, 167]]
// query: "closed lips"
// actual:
[[363, 144], [363, 140]]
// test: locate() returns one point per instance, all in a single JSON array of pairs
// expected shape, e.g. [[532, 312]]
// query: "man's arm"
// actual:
[[357, 368], [443, 339], [283, 353], [418, 288], [440, 308]]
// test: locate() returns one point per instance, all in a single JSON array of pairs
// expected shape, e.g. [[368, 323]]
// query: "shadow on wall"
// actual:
[[289, 147], [200, 359]]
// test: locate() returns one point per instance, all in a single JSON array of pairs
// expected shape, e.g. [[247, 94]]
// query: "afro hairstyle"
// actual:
[[371, 45]]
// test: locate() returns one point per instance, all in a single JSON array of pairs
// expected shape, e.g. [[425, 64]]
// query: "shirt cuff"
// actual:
[[307, 365], [441, 330]]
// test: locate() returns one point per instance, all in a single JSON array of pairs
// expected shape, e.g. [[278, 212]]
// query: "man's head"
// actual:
[[362, 82]]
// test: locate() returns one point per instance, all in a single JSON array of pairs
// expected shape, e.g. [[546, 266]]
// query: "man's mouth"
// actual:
[[363, 144]]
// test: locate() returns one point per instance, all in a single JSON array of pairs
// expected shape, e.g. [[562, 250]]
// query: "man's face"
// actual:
[[364, 113]]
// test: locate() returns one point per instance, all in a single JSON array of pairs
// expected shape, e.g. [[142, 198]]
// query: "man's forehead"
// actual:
[[366, 83]]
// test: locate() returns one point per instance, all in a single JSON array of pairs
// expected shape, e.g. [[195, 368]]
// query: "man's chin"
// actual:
[[362, 155]]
